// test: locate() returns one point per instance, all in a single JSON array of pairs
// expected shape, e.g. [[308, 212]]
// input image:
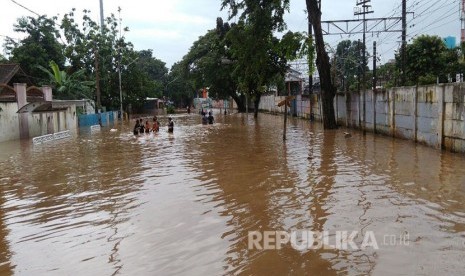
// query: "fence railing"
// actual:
[[51, 137]]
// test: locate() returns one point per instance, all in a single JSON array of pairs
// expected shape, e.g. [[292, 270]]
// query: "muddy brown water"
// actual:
[[108, 203]]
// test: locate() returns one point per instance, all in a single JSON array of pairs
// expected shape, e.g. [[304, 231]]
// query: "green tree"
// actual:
[[40, 45], [427, 58], [209, 64], [180, 87], [348, 65], [388, 75], [98, 50], [259, 57], [107, 52], [69, 87]]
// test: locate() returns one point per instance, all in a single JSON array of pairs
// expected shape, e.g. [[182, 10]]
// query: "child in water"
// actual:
[[156, 125], [147, 127], [170, 125]]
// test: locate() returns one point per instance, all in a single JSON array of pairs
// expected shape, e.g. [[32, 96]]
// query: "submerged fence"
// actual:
[[432, 115], [105, 119]]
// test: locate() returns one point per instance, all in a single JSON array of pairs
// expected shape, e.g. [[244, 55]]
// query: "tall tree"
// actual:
[[209, 64], [348, 64], [427, 58], [39, 47], [259, 56], [328, 90], [142, 74]]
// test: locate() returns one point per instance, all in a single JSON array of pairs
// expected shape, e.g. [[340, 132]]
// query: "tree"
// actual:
[[427, 58], [39, 46], [96, 49], [260, 58], [179, 87], [209, 64], [348, 64], [69, 87], [142, 74], [388, 75], [328, 90]]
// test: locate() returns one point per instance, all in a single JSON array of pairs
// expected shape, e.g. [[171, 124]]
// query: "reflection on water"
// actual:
[[107, 203]]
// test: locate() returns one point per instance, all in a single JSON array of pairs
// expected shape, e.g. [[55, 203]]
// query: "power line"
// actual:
[[29, 10], [437, 20]]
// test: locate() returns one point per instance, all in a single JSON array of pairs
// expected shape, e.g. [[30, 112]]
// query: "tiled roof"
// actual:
[[7, 72]]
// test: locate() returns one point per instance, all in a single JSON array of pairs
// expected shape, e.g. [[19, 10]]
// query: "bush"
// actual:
[[170, 109]]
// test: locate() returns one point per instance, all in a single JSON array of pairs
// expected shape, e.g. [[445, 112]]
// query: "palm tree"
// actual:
[[68, 86]]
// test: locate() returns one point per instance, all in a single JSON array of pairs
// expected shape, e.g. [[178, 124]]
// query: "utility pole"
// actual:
[[374, 66], [310, 65], [101, 16], [404, 40], [462, 20], [373, 102], [97, 63], [310, 62], [364, 11], [97, 78]]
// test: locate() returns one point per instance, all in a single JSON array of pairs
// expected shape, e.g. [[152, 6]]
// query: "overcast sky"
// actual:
[[169, 27]]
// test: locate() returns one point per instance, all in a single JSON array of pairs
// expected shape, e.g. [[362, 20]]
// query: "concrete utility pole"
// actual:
[[404, 39], [310, 65], [374, 66], [364, 11], [101, 16], [462, 19], [373, 102]]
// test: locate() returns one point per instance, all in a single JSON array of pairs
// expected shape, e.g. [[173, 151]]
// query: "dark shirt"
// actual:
[[210, 119], [170, 126], [136, 128]]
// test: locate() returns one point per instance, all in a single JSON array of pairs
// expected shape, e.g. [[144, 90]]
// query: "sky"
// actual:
[[169, 27]]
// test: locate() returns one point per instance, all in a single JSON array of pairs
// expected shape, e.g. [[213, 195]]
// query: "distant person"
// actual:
[[204, 119], [210, 118], [188, 109], [156, 125], [170, 125]]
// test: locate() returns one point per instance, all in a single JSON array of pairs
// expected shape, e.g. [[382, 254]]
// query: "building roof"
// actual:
[[293, 75], [51, 106], [8, 71]]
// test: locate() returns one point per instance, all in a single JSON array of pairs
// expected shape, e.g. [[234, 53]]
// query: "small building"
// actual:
[[294, 83], [153, 105]]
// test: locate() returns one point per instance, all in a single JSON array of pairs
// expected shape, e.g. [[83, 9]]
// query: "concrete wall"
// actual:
[[9, 122], [431, 115]]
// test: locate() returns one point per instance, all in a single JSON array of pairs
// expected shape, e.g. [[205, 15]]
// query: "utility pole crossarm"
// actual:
[[353, 26]]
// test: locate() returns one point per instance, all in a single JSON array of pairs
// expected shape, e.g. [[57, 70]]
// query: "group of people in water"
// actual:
[[141, 128], [207, 119]]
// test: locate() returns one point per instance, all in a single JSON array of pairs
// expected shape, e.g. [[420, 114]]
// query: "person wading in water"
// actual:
[[170, 125]]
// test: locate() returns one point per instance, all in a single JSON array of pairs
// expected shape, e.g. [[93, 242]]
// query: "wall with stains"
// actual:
[[432, 115]]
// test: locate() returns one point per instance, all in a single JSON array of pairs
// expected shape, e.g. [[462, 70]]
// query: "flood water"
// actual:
[[108, 203]]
